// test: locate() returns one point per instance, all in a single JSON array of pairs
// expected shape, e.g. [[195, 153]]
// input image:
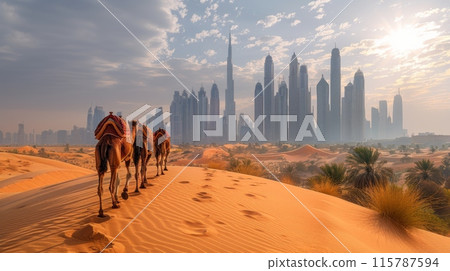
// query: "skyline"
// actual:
[[60, 88]]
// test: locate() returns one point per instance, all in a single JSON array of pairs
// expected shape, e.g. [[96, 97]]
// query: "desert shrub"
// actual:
[[434, 223], [435, 195], [217, 165], [326, 186], [355, 195], [402, 207], [245, 166]]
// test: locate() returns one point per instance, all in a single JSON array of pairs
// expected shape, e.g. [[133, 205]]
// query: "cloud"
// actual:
[[195, 18], [210, 52], [271, 20], [200, 36], [295, 22], [430, 12], [317, 6]]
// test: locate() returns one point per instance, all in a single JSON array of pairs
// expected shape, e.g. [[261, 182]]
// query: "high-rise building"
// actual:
[[280, 108], [375, 115], [323, 107], [214, 106], [21, 135], [358, 112], [202, 110], [347, 109], [294, 97], [398, 115], [259, 104], [1, 137], [230, 107], [383, 127], [335, 95], [176, 115], [89, 122], [268, 95], [305, 94], [99, 114]]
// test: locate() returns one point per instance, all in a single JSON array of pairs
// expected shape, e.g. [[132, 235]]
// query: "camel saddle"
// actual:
[[112, 125]]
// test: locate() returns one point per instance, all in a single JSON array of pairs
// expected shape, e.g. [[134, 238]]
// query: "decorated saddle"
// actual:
[[112, 125]]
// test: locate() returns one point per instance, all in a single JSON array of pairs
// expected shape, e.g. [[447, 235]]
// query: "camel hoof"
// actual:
[[157, 175], [116, 206], [100, 213], [142, 186], [162, 173], [124, 195], [136, 191], [166, 169]]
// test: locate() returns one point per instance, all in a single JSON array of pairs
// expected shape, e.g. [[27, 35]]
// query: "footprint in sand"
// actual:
[[228, 187], [184, 182], [255, 215], [207, 179], [197, 228], [234, 180], [206, 186], [203, 197], [254, 196]]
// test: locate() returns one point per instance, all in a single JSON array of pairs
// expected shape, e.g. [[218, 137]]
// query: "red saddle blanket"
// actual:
[[112, 125]]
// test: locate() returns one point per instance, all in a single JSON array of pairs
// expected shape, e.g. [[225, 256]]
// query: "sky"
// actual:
[[59, 57]]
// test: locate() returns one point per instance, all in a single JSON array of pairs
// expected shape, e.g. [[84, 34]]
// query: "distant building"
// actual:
[[268, 95], [323, 108], [176, 115], [305, 94], [1, 138], [335, 96], [21, 135], [62, 137], [202, 110], [358, 109], [384, 125], [90, 121], [398, 116], [375, 117], [294, 97], [259, 105], [280, 108], [99, 114], [347, 110]]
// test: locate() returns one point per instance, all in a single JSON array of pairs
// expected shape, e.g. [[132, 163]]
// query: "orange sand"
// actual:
[[203, 210]]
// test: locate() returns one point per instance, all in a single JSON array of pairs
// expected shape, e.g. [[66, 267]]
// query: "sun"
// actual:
[[404, 40]]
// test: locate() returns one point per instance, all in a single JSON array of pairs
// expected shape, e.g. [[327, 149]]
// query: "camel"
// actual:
[[141, 156], [161, 145], [113, 150]]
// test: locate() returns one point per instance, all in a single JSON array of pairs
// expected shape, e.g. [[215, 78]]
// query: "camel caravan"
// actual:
[[117, 144]]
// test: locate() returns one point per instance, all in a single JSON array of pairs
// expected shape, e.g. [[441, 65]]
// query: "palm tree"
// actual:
[[424, 171], [334, 172], [365, 169]]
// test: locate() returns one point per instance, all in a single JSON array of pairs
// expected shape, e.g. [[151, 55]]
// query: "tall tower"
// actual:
[[383, 119], [89, 124], [99, 114], [335, 95], [398, 115], [230, 107], [347, 104], [268, 95], [359, 108], [259, 104], [202, 110], [375, 115], [323, 107], [305, 95], [294, 97], [214, 106]]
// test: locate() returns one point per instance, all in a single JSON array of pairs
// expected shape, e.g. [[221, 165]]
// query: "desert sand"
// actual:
[[202, 210]]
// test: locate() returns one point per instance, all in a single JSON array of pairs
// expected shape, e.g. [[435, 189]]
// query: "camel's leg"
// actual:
[[163, 153], [147, 158], [165, 159], [116, 189], [143, 166], [112, 187], [125, 189], [157, 163], [100, 192], [136, 174]]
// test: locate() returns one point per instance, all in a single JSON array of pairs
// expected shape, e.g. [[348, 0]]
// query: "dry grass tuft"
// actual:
[[403, 207], [327, 187], [217, 165]]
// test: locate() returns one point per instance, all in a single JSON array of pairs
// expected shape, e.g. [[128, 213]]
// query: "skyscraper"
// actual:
[[358, 112], [323, 105], [283, 99], [229, 92], [347, 109], [99, 114], [21, 135], [259, 104], [294, 97], [375, 115], [305, 94], [176, 115], [383, 126], [268, 95], [398, 115], [202, 110], [89, 122], [214, 107], [335, 95]]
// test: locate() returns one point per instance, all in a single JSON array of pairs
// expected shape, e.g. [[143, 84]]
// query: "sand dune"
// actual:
[[20, 173], [203, 210]]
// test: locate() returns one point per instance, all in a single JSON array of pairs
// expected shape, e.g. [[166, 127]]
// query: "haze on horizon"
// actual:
[[57, 58]]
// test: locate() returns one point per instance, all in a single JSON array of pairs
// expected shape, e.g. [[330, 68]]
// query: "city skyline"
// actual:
[[52, 99]]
